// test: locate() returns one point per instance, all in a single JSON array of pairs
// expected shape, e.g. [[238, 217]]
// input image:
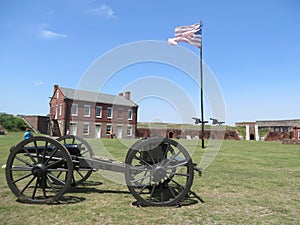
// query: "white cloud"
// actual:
[[45, 32], [48, 34], [103, 10], [39, 83]]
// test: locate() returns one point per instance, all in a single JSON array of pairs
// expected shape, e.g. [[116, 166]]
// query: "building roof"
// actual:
[[88, 96], [274, 123], [241, 124]]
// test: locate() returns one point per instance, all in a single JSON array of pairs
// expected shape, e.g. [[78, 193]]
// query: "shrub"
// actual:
[[12, 123]]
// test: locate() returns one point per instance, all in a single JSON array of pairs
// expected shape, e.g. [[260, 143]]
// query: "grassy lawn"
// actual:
[[248, 183]]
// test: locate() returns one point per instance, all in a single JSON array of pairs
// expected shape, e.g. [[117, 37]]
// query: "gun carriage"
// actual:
[[158, 171]]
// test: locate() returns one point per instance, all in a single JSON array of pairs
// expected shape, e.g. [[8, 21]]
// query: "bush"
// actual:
[[12, 123]]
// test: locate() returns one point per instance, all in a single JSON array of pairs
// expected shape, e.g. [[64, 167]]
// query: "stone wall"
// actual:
[[278, 136], [187, 133]]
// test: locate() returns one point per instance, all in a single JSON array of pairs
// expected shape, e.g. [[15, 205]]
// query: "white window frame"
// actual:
[[111, 109], [87, 107], [74, 125], [60, 109], [56, 111], [130, 112], [129, 128], [88, 129], [107, 125], [298, 134], [74, 114], [99, 107]]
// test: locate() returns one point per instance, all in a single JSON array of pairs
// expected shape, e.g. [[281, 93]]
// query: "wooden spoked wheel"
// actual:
[[39, 170], [159, 172], [80, 173]]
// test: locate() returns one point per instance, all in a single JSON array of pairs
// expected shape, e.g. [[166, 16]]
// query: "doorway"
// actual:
[[98, 131], [119, 131], [73, 129]]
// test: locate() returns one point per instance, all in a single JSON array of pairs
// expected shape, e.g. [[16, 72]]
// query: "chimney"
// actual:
[[127, 95], [55, 87], [121, 94]]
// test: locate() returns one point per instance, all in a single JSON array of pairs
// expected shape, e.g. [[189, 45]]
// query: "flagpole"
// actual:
[[201, 95], [190, 34]]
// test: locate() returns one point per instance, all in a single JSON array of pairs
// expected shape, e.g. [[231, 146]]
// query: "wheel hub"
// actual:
[[159, 173], [39, 170]]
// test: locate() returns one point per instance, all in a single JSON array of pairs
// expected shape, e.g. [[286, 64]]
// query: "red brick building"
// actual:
[[296, 133], [91, 114]]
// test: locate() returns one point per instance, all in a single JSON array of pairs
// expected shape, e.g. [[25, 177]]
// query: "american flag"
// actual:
[[191, 34]]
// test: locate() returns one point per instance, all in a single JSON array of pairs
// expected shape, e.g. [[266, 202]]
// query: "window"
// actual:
[[86, 129], [108, 129], [74, 109], [130, 112], [56, 112], [87, 110], [129, 130], [60, 109], [109, 112], [299, 135], [73, 128], [99, 111]]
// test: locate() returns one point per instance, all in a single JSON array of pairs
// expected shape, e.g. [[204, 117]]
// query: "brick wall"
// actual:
[[39, 123]]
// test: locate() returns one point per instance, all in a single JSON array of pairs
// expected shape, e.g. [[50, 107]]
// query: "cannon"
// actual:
[[158, 171]]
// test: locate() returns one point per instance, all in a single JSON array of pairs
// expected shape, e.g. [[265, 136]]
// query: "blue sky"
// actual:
[[252, 48]]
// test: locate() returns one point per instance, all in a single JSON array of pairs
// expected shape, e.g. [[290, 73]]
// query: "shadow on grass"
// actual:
[[68, 200], [191, 199], [87, 187], [186, 202], [62, 200], [91, 187]]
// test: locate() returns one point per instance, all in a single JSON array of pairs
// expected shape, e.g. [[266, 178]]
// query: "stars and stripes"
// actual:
[[191, 34]]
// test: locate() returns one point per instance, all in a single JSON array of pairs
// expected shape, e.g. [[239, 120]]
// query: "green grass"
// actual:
[[248, 183]]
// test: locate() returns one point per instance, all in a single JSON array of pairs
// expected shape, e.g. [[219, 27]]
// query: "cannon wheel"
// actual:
[[80, 173], [39, 170], [161, 181]]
